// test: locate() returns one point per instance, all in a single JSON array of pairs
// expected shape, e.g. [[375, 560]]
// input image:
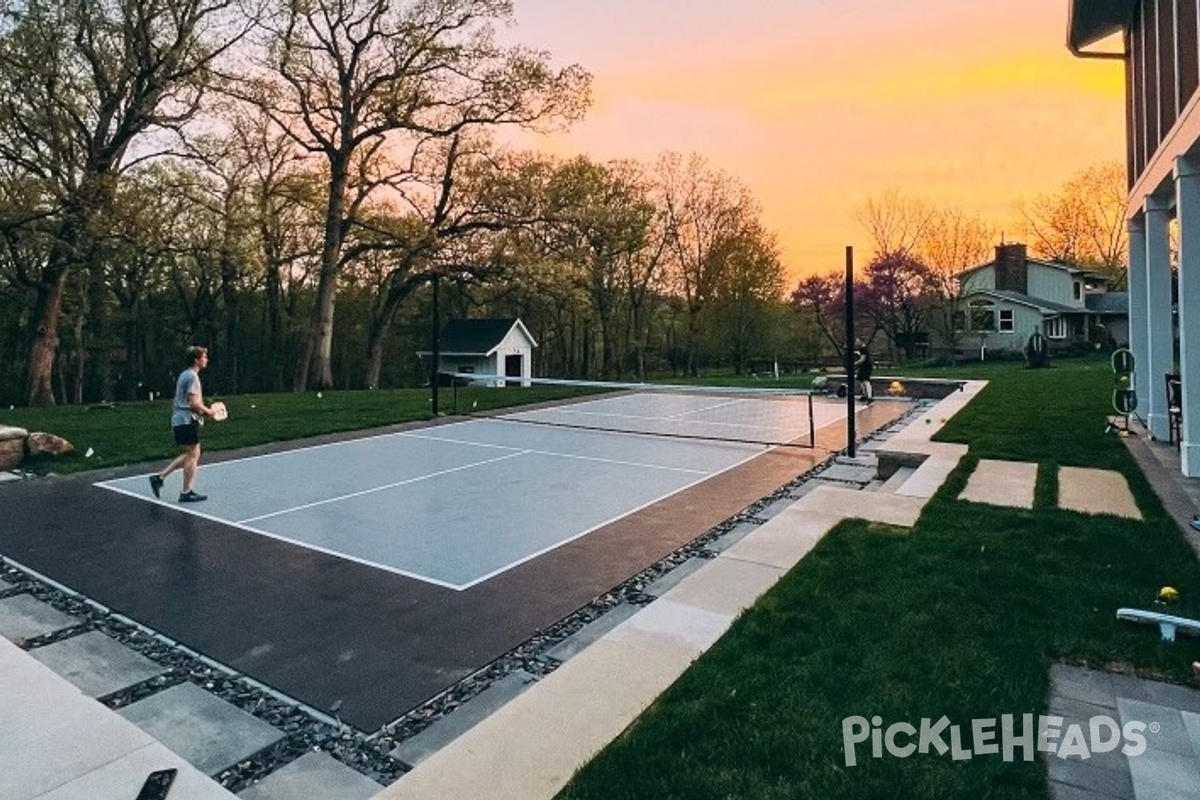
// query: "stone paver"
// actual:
[[1165, 773], [123, 778], [23, 616], [681, 625], [531, 747], [849, 473], [585, 636], [873, 506], [96, 664], [315, 776], [1002, 483], [1191, 721], [445, 730], [60, 745], [1170, 736], [1096, 491], [204, 729], [726, 586], [929, 477], [718, 545], [783, 541]]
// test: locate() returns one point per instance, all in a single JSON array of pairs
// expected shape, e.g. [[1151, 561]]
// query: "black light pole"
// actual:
[[851, 433], [436, 346]]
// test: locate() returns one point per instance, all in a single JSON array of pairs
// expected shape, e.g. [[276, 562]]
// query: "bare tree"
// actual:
[[702, 205], [1084, 222], [367, 84], [896, 223], [80, 82], [952, 243]]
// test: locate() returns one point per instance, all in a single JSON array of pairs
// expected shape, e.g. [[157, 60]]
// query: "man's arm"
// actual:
[[196, 402]]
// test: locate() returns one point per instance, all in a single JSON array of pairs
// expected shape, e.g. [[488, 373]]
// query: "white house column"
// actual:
[[1187, 187], [1160, 344], [1138, 326]]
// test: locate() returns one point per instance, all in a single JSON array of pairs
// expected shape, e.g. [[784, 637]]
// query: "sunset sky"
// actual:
[[819, 105]]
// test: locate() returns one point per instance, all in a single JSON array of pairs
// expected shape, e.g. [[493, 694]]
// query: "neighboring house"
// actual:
[[1009, 298], [1158, 42], [486, 347]]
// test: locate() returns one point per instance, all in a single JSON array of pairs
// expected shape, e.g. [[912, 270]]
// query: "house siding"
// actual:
[[980, 280], [1049, 283]]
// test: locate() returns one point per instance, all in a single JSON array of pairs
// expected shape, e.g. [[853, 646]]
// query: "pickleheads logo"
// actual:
[[1101, 734]]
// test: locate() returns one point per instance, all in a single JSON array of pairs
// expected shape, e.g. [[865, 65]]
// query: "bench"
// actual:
[[1167, 624]]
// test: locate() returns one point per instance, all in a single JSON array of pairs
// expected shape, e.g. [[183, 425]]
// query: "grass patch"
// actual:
[[961, 618], [129, 433]]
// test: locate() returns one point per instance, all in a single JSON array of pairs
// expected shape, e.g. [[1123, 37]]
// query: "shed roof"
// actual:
[[478, 336]]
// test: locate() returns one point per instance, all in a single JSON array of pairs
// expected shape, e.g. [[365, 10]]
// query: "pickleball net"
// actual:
[[751, 415]]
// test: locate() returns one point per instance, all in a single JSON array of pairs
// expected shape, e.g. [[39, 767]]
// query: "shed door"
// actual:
[[512, 366]]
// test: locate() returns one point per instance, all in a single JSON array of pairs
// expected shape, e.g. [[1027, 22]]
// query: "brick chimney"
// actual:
[[1012, 273]]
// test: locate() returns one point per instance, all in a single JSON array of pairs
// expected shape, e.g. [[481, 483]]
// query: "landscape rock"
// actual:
[[39, 442]]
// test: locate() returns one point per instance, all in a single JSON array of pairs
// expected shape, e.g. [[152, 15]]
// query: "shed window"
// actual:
[[1005, 324], [1056, 328]]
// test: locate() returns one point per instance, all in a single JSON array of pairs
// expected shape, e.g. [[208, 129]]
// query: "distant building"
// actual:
[[1009, 298], [501, 347], [1159, 43]]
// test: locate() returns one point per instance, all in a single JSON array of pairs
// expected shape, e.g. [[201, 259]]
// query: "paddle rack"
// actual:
[[1124, 398]]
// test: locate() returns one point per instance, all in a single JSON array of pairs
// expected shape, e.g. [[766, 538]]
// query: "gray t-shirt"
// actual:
[[181, 411]]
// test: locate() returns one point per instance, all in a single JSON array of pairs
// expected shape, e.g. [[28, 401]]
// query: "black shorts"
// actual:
[[187, 434]]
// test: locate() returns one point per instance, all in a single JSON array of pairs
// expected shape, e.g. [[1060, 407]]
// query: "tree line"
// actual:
[[282, 179]]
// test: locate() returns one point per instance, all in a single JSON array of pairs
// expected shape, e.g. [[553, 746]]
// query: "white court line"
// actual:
[[187, 509], [622, 515], [393, 485], [556, 454]]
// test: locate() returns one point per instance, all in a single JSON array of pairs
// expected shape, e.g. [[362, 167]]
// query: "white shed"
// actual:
[[486, 347]]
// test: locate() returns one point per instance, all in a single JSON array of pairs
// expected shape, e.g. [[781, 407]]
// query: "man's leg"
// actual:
[[191, 460]]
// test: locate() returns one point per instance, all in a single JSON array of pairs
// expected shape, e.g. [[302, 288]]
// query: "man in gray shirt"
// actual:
[[187, 418]]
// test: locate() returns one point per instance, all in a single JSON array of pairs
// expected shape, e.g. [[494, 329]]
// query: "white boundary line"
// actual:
[[278, 537]]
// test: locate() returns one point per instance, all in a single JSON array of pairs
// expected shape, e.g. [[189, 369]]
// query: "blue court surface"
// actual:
[[456, 504]]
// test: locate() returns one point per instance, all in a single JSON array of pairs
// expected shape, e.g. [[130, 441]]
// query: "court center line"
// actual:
[[384, 487], [555, 454]]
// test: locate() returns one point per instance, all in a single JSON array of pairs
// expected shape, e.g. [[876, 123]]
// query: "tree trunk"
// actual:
[[317, 362], [39, 369]]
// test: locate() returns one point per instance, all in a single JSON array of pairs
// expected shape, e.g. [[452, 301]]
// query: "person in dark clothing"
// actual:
[[862, 370]]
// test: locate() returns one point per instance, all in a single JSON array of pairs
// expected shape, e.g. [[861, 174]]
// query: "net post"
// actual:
[[851, 433], [435, 347], [812, 424]]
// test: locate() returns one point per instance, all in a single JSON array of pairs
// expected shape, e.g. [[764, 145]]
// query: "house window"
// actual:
[[1078, 290], [1005, 324], [983, 316], [1056, 328]]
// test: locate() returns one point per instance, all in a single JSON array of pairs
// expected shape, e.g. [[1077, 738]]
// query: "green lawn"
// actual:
[[130, 433], [960, 616]]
